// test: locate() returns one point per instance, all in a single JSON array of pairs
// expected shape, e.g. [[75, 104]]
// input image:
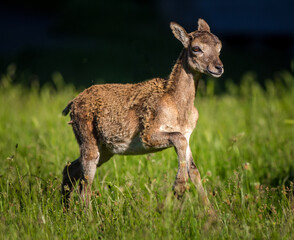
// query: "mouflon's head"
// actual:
[[203, 48]]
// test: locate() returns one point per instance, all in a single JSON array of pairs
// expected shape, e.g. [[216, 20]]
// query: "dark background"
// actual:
[[93, 41]]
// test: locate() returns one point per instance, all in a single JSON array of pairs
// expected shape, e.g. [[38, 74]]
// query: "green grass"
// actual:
[[243, 146]]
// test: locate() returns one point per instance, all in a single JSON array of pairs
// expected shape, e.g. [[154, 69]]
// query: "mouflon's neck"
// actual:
[[183, 81]]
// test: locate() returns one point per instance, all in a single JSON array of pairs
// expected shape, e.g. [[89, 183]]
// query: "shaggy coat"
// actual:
[[129, 119]]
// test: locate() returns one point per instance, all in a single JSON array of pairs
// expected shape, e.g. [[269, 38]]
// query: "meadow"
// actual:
[[243, 146]]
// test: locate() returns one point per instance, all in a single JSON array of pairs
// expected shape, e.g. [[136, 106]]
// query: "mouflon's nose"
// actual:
[[219, 68]]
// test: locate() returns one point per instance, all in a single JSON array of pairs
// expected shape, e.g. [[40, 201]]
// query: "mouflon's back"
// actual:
[[117, 111]]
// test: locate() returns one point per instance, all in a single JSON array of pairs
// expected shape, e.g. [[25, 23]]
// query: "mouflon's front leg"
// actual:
[[179, 142], [195, 177]]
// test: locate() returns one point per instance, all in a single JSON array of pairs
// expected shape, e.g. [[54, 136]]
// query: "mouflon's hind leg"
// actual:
[[89, 153], [89, 160], [176, 139], [71, 175]]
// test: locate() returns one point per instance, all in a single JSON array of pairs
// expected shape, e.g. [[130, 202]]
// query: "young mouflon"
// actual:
[[146, 117]]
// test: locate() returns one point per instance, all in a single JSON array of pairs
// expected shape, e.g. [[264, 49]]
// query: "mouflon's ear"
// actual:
[[180, 33], [202, 25]]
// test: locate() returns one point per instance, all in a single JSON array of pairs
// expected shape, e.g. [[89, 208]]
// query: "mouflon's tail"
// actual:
[[67, 108]]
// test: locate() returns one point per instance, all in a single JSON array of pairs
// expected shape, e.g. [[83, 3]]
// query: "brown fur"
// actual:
[[145, 117]]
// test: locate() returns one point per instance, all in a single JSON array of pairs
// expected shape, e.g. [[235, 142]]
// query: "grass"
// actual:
[[243, 146]]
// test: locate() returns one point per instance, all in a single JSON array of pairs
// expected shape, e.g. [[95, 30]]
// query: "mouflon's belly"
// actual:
[[129, 146]]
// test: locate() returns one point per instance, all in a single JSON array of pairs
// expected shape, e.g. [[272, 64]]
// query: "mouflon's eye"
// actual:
[[196, 49]]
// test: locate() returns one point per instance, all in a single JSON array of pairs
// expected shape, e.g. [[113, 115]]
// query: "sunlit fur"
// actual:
[[141, 118]]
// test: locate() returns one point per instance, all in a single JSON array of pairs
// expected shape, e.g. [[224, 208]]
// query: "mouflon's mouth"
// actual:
[[215, 74]]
